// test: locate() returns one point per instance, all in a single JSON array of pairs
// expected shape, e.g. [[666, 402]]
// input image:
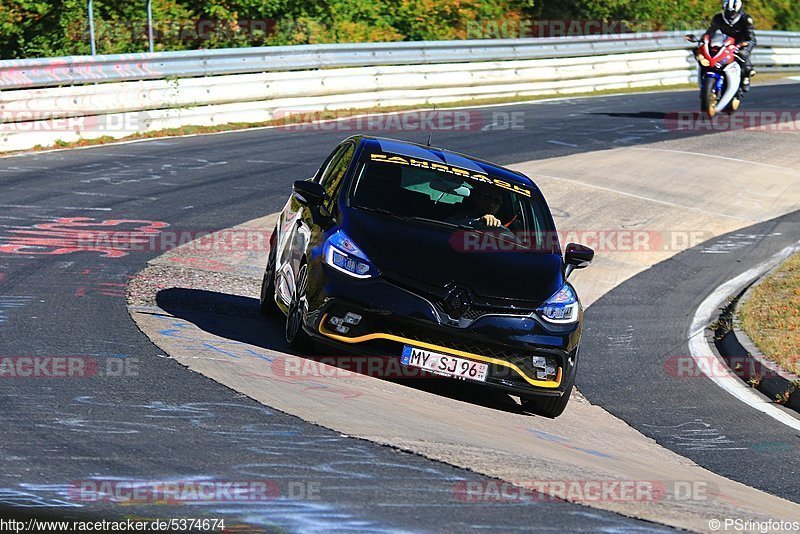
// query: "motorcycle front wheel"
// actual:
[[708, 97]]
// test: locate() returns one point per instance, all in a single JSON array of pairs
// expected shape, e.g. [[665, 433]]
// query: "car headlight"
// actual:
[[343, 254], [562, 307]]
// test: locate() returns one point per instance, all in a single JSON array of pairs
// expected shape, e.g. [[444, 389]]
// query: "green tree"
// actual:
[[32, 28], [20, 22]]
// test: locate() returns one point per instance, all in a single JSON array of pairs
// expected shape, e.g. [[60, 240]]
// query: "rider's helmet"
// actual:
[[731, 11]]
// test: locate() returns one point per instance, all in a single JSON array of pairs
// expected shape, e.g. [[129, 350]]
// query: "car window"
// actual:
[[447, 194], [327, 165], [332, 177]]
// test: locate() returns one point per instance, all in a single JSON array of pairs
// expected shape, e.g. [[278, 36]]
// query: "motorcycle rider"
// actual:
[[734, 22]]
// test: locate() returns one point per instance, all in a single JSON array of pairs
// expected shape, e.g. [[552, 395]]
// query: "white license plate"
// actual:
[[444, 364]]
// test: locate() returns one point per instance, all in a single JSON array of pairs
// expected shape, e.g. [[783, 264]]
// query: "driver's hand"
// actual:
[[491, 221]]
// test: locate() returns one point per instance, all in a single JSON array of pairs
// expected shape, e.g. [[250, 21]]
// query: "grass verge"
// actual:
[[771, 315]]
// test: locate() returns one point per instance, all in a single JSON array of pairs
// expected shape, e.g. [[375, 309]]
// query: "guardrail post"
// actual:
[[150, 24], [91, 28]]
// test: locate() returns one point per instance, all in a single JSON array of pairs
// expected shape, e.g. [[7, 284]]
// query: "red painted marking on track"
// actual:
[[114, 238], [106, 289]]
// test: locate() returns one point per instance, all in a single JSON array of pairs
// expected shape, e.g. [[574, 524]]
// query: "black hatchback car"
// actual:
[[445, 262]]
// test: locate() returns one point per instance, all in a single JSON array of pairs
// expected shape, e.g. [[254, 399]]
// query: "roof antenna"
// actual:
[[430, 133]]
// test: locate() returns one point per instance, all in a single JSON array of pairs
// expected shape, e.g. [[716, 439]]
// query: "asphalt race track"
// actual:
[[140, 416], [640, 329]]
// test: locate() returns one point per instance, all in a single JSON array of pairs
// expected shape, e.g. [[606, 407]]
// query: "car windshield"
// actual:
[[450, 196]]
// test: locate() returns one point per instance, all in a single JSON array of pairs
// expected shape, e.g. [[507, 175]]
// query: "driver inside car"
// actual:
[[481, 208]]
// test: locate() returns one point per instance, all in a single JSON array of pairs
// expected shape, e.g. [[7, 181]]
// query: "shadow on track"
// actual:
[[238, 318]]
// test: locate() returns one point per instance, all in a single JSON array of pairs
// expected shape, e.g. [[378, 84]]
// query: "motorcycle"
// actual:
[[720, 74]]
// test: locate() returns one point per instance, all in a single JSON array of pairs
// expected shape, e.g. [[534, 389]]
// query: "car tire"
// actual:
[[266, 302], [296, 337], [551, 407]]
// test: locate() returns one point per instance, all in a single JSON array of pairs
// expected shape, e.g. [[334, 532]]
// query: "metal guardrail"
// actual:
[[276, 89], [45, 101], [76, 70]]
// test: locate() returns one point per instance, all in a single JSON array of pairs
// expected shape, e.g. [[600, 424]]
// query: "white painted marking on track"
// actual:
[[109, 195], [278, 162], [24, 169], [713, 156], [629, 139], [701, 352], [657, 201], [51, 207], [11, 302], [147, 156], [562, 143], [735, 242]]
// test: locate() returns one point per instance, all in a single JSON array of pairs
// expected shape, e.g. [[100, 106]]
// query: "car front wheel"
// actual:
[[296, 337]]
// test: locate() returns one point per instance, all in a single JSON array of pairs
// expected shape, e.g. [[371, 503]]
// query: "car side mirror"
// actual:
[[308, 193], [691, 38], [577, 256]]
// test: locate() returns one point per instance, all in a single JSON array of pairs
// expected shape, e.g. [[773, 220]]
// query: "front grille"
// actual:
[[476, 312], [473, 313], [481, 305]]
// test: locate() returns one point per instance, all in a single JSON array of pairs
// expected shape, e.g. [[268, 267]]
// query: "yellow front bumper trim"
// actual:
[[550, 384]]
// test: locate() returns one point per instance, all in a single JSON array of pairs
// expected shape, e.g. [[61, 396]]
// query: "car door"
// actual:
[[298, 227]]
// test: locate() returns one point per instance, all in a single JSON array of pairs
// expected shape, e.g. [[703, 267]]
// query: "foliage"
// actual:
[[33, 28]]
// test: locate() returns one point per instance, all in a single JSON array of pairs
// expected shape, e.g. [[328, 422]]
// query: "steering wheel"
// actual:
[[500, 231]]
